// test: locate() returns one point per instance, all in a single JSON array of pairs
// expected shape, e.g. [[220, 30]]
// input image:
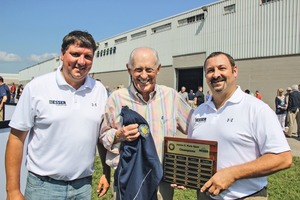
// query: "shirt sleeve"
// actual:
[[109, 127], [183, 114], [25, 111], [268, 132]]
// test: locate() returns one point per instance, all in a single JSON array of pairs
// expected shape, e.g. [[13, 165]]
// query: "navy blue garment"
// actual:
[[139, 170]]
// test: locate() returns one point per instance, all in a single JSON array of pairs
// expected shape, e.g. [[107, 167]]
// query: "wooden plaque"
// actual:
[[189, 162]]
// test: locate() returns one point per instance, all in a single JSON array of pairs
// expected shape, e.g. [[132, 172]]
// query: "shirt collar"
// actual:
[[134, 91], [61, 81], [236, 97]]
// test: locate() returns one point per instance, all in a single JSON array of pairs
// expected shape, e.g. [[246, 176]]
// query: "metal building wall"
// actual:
[[255, 35], [254, 30], [47, 66]]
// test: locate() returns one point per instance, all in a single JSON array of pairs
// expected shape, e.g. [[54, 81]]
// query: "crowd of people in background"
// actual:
[[194, 99], [257, 94], [287, 111], [9, 94]]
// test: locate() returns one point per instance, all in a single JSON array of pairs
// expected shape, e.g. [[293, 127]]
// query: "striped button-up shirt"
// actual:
[[165, 112]]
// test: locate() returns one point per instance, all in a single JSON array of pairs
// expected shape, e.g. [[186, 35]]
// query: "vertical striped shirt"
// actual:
[[165, 112]]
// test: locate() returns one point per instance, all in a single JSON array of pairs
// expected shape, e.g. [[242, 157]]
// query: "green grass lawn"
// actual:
[[283, 185]]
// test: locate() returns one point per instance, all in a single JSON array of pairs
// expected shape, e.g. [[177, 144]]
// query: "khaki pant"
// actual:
[[294, 123], [1, 115]]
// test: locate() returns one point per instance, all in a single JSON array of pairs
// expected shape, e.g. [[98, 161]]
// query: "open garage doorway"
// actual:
[[190, 78]]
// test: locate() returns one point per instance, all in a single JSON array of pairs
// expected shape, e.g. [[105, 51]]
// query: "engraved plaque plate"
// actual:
[[189, 162]]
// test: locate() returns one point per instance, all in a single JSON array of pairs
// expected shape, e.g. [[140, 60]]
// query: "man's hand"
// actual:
[[178, 186], [220, 181], [103, 186], [127, 133], [16, 195]]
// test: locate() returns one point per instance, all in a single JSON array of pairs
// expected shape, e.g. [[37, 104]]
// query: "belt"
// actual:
[[260, 193], [49, 179]]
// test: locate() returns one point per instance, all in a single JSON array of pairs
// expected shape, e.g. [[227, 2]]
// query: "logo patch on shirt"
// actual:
[[200, 120], [58, 102], [144, 130], [229, 119]]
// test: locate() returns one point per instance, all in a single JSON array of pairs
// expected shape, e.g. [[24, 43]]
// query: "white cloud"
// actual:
[[9, 57], [41, 58]]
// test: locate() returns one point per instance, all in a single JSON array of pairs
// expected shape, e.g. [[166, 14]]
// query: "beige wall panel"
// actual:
[[166, 77], [113, 79], [187, 61], [269, 74]]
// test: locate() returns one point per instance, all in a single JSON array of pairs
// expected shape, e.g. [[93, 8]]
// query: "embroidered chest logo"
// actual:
[[58, 102], [200, 120], [94, 104], [229, 119]]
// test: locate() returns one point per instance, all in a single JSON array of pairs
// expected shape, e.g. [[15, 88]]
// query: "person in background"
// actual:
[[293, 112], [251, 144], [208, 95], [247, 91], [191, 96], [62, 120], [161, 106], [19, 92], [287, 121], [4, 96], [258, 95], [108, 90], [13, 92], [199, 96], [288, 91], [281, 107], [184, 95]]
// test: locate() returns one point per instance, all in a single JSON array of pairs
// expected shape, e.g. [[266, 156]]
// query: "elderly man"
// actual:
[[161, 106], [294, 112], [251, 144]]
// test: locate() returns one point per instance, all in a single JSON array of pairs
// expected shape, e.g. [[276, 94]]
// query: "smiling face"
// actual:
[[143, 69], [77, 62], [220, 75]]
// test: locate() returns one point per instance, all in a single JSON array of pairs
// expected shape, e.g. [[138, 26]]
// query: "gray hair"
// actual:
[[130, 61], [294, 88]]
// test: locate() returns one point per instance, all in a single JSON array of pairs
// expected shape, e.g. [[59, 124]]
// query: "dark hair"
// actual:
[[1, 79], [213, 54], [82, 38]]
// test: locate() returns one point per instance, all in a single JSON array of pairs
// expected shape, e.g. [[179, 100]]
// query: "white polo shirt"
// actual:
[[245, 128], [64, 125]]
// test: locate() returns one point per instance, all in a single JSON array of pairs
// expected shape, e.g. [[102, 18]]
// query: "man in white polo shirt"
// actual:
[[61, 112], [251, 144]]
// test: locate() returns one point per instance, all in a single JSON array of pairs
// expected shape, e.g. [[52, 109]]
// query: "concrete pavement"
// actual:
[[295, 145]]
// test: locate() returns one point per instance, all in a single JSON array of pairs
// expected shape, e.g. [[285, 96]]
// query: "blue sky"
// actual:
[[31, 31]]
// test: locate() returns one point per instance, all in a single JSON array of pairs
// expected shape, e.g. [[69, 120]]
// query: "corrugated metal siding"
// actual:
[[254, 30]]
